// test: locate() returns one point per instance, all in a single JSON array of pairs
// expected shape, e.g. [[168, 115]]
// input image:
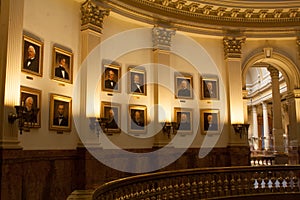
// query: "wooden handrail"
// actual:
[[203, 183]]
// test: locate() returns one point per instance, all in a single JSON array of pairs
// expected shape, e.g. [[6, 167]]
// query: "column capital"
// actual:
[[233, 46], [274, 73], [92, 16], [161, 37]]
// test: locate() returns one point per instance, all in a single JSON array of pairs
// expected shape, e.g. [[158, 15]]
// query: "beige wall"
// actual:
[[54, 22]]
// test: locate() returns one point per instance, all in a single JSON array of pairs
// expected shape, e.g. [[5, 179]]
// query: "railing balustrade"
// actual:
[[206, 183]]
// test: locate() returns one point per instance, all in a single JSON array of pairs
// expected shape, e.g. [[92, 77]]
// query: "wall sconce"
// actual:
[[241, 129], [101, 121], [26, 118], [169, 128]]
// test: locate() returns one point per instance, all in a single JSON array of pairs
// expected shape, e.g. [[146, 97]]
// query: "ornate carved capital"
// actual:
[[298, 43], [92, 16], [233, 46], [274, 73], [161, 37]]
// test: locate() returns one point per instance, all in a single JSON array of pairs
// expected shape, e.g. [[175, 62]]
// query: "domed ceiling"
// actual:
[[256, 18]]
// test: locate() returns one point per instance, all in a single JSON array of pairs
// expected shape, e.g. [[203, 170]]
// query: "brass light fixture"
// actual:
[[241, 129], [26, 118], [169, 128]]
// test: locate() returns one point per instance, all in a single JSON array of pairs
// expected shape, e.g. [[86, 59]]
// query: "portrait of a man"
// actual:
[[62, 65], [111, 77], [32, 56], [137, 83], [210, 89], [183, 86], [60, 113], [137, 119], [209, 121], [184, 121], [30, 99]]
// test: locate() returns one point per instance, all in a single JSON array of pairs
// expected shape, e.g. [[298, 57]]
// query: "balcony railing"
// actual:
[[210, 183]]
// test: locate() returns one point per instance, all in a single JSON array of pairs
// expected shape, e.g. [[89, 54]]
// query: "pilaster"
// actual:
[[161, 38], [92, 17], [11, 19]]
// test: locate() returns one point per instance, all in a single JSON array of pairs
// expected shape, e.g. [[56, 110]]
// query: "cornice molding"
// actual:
[[210, 17]]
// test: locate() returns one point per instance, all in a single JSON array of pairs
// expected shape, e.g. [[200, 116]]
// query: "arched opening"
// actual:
[[270, 81]]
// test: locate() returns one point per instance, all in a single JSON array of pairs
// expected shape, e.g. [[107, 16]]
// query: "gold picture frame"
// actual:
[[210, 121], [184, 119], [62, 69], [137, 118], [60, 113], [110, 78], [112, 113], [31, 100], [137, 81], [209, 87], [32, 56], [183, 86]]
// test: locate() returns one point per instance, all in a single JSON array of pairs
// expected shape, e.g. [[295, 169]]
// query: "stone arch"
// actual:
[[285, 65]]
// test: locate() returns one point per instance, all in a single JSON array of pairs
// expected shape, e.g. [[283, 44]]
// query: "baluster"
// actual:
[[201, 189], [176, 189], [164, 190], [206, 187], [246, 184], [220, 187], [266, 180], [259, 185], [288, 183], [188, 188], [194, 188], [182, 188], [232, 186], [273, 180], [213, 186], [170, 189], [295, 184], [252, 187], [239, 185], [280, 180], [226, 186]]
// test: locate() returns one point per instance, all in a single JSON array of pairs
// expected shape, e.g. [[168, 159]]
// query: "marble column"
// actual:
[[266, 126], [161, 38], [277, 121], [11, 20], [92, 17], [254, 128]]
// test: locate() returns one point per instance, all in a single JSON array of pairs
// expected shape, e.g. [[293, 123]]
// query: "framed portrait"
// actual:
[[183, 86], [62, 69], [137, 81], [32, 57], [210, 121], [60, 113], [31, 100], [209, 88], [111, 112], [184, 119], [110, 78], [138, 118]]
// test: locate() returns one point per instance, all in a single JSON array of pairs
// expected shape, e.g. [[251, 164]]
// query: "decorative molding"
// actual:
[[233, 46], [161, 37], [92, 16], [212, 17]]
